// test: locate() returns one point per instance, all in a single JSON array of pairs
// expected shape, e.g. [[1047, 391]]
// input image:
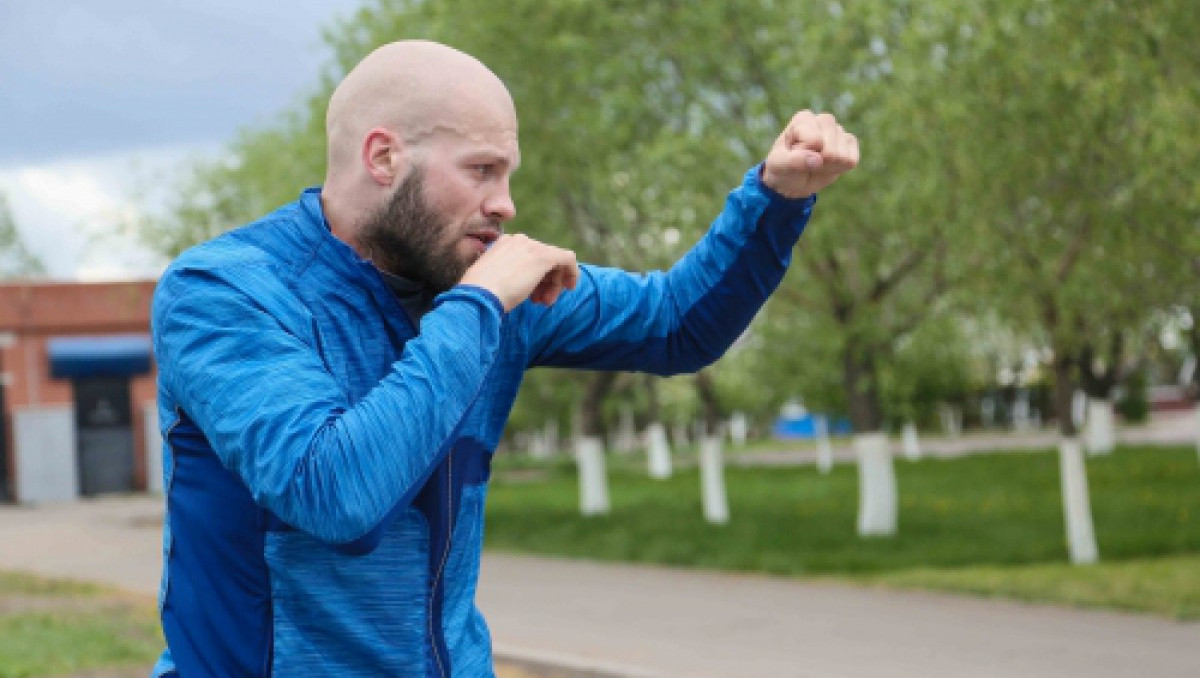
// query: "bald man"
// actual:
[[334, 378]]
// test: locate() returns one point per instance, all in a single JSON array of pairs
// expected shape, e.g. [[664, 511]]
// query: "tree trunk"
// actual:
[[653, 407], [1099, 379], [712, 481], [593, 477], [861, 381], [1064, 392], [710, 404], [1194, 340], [876, 485], [877, 497], [912, 443], [591, 413], [1077, 510]]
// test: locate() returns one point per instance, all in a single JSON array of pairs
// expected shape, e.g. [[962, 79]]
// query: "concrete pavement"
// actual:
[[640, 622], [1164, 428]]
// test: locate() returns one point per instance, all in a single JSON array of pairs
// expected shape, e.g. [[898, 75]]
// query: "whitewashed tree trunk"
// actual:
[[824, 449], [712, 481], [912, 445], [876, 486], [738, 428], [1077, 509], [538, 449], [1020, 413], [1100, 427], [951, 416], [1079, 409], [593, 480], [658, 451]]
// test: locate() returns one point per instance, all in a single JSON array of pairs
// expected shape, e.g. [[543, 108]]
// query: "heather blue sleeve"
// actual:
[[685, 318], [235, 348]]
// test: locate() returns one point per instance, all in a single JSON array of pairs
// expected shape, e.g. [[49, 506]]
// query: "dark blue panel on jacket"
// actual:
[[217, 610]]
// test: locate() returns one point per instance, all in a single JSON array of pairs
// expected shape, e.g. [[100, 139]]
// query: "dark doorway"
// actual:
[[104, 426]]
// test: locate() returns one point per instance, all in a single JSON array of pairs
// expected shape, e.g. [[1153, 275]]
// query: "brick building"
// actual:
[[42, 322]]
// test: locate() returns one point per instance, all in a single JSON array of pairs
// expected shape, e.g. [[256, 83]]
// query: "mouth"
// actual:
[[485, 236]]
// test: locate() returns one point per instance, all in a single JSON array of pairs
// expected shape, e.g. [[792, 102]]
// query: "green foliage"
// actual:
[[16, 261], [1069, 101], [1029, 162], [931, 366], [1133, 406]]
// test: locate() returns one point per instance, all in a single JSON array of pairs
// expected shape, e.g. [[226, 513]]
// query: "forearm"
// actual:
[[685, 318], [725, 279], [275, 416]]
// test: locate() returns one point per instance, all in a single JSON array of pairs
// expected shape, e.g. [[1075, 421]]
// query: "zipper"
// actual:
[[437, 579]]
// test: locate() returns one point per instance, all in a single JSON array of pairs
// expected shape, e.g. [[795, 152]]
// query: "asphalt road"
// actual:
[[639, 622]]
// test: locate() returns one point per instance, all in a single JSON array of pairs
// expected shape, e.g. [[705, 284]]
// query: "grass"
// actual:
[[989, 524], [56, 628], [1169, 585]]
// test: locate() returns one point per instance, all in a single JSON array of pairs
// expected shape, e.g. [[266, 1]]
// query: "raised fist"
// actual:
[[811, 153], [517, 267]]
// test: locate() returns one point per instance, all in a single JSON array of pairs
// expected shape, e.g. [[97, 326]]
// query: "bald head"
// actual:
[[417, 89], [422, 142]]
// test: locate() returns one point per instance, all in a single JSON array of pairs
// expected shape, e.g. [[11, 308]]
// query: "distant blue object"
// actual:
[[117, 355], [806, 427]]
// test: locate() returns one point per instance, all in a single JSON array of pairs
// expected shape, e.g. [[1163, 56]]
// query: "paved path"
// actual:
[[1165, 428], [639, 622]]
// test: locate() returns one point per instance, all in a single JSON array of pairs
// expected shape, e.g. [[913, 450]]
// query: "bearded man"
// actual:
[[334, 378]]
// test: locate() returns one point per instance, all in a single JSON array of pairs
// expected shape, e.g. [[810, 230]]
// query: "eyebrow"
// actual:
[[498, 157]]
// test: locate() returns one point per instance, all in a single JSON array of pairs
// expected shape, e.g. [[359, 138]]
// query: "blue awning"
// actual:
[[115, 355]]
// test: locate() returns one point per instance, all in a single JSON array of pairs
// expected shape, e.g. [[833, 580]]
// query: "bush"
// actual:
[[1133, 405]]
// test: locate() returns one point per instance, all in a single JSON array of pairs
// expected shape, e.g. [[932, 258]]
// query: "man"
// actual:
[[334, 377]]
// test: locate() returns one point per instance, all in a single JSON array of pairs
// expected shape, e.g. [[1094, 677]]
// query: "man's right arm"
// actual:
[[256, 386]]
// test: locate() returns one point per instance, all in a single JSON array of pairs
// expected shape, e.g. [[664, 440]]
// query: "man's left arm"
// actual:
[[685, 318]]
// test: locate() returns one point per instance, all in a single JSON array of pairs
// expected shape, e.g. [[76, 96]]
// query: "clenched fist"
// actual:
[[517, 267], [809, 155]]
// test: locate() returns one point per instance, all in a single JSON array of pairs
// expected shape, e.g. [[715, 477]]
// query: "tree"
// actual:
[[16, 261], [1070, 90]]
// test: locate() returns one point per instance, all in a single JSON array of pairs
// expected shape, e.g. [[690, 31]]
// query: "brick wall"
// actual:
[[35, 312]]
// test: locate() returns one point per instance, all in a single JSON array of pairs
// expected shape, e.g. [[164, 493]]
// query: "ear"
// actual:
[[383, 155]]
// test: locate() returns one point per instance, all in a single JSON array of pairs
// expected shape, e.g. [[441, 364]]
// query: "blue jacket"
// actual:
[[326, 464]]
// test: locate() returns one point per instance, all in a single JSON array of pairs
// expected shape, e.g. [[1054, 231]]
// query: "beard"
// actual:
[[409, 238]]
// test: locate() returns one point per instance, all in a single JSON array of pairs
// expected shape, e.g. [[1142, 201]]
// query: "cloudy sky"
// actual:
[[102, 102]]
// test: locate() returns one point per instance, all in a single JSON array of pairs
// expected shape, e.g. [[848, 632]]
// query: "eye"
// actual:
[[483, 170]]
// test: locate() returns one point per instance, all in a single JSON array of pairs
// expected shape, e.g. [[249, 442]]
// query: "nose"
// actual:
[[499, 206]]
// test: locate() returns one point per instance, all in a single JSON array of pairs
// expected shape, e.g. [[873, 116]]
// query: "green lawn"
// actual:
[[57, 628], [988, 523]]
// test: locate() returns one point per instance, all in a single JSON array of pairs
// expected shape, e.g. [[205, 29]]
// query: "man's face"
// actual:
[[445, 213]]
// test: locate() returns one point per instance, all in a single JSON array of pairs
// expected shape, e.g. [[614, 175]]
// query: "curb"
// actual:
[[543, 664]]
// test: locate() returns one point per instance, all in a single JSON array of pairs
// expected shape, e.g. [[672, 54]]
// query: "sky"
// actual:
[[102, 103]]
